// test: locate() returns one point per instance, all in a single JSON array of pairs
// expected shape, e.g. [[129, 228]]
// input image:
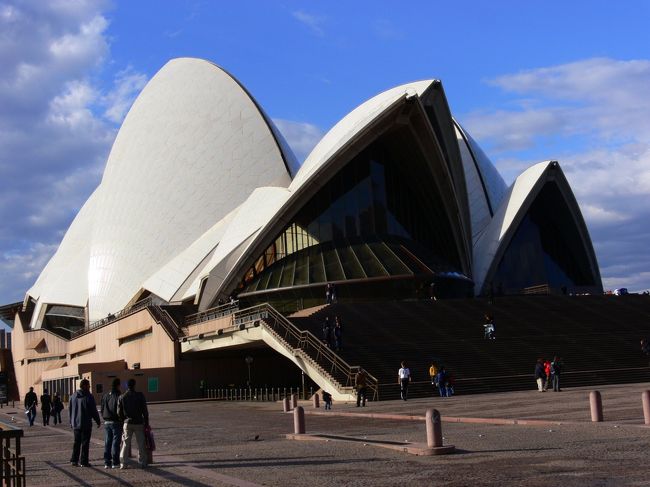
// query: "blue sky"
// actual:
[[531, 81]]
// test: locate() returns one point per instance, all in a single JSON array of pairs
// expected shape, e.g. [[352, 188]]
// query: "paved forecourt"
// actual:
[[518, 438]]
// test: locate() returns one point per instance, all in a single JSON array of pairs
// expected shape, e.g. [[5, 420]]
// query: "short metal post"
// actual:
[[285, 404], [596, 405], [316, 400], [645, 400], [434, 428], [299, 421], [294, 401]]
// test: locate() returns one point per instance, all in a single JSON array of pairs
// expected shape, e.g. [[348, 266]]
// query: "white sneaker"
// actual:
[[123, 466]]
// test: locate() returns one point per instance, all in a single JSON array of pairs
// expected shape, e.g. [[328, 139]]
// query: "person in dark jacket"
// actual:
[[132, 410], [46, 407], [83, 410], [112, 426], [57, 407], [31, 401]]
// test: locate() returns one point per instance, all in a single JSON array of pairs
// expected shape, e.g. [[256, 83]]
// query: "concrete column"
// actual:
[[285, 404], [316, 400], [434, 428], [645, 400], [299, 420], [596, 405]]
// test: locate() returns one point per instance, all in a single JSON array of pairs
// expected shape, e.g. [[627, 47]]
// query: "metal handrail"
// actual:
[[304, 340], [113, 317], [166, 321], [212, 313]]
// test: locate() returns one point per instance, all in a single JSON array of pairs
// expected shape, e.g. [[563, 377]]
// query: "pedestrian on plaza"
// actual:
[[540, 375], [112, 426], [547, 373], [442, 379], [83, 410], [403, 379], [31, 401], [327, 399], [489, 332], [57, 407], [46, 407], [361, 385], [132, 410], [556, 371], [433, 372]]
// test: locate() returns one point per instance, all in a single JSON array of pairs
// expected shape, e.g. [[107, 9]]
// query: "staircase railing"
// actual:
[[166, 321], [112, 318], [306, 342], [211, 314]]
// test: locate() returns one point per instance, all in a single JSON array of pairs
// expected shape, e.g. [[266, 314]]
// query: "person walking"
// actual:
[[112, 426], [361, 385], [46, 407], [57, 407], [132, 410], [327, 332], [31, 401], [83, 410], [403, 379]]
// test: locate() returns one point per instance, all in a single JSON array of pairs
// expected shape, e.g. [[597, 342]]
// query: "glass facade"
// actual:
[[379, 216], [546, 249]]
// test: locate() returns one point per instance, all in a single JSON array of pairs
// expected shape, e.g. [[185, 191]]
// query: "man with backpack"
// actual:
[[132, 410]]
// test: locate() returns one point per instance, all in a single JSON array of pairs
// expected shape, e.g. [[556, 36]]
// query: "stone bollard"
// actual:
[[285, 404], [299, 420], [316, 400], [294, 401], [434, 428], [596, 405], [645, 400]]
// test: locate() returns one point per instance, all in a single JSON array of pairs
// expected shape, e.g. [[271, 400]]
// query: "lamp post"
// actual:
[[249, 361]]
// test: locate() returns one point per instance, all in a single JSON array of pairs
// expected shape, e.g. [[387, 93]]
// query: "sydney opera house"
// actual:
[[202, 200]]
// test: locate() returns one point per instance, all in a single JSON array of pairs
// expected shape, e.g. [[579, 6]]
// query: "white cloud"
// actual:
[[591, 115], [54, 137], [301, 136], [128, 85], [313, 22]]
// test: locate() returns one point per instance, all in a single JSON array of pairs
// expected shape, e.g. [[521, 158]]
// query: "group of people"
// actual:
[[548, 373], [441, 380], [50, 407], [333, 333], [125, 416]]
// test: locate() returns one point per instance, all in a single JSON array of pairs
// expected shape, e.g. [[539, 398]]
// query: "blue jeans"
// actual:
[[442, 389], [31, 415], [112, 440]]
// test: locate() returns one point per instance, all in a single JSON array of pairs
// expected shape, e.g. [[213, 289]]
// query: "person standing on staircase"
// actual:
[[338, 334], [403, 379], [327, 332]]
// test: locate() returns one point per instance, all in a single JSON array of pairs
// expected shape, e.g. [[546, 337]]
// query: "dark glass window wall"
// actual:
[[546, 248], [354, 225]]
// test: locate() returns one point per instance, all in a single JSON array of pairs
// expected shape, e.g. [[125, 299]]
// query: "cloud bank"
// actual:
[[591, 116], [56, 126]]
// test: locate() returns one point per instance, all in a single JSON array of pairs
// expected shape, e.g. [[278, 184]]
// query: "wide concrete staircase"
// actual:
[[597, 336]]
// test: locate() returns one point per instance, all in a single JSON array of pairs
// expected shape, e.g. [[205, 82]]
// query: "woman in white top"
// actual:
[[403, 379]]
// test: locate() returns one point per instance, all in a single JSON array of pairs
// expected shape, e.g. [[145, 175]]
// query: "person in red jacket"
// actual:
[[547, 371]]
